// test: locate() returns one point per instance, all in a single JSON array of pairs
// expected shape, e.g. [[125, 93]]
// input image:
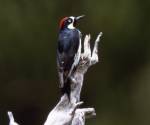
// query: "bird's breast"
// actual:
[[68, 41]]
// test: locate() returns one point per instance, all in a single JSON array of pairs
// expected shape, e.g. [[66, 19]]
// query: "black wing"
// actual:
[[68, 44]]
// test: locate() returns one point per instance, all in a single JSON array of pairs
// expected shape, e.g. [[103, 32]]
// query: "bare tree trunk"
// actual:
[[67, 112]]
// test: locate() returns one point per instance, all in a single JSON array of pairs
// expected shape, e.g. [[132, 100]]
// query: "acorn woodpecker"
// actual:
[[68, 51]]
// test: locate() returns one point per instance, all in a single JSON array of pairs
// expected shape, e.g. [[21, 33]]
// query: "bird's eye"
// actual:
[[69, 20]]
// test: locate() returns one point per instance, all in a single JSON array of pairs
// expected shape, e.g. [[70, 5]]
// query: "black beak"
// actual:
[[79, 17]]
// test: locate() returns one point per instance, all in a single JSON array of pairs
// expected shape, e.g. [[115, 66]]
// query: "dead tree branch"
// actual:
[[67, 112]]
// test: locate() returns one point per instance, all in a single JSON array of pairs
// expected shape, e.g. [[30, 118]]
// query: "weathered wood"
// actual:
[[67, 112]]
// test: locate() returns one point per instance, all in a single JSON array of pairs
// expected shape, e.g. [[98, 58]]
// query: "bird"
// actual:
[[68, 50]]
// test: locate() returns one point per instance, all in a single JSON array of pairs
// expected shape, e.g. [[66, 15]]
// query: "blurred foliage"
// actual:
[[119, 83]]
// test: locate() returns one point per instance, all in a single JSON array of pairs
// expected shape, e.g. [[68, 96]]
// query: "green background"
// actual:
[[118, 87]]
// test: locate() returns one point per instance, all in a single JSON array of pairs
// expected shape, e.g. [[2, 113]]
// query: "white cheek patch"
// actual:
[[70, 26]]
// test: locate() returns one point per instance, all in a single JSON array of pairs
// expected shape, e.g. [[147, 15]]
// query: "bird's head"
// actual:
[[69, 22]]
